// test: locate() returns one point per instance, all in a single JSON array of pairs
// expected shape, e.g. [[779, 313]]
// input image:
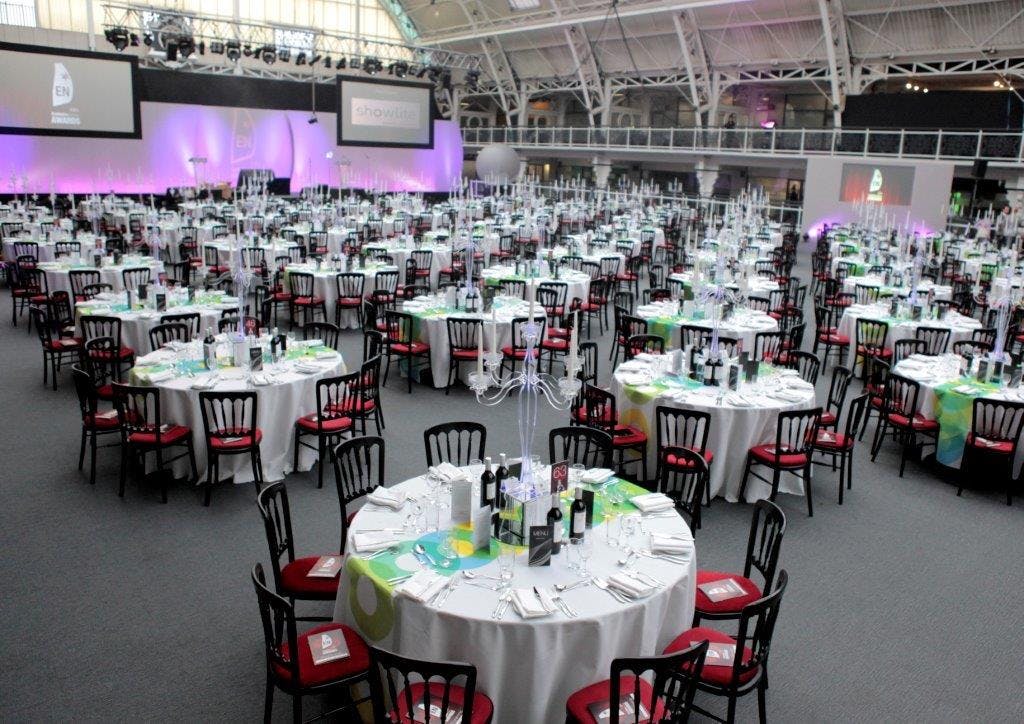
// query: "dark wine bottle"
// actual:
[[209, 350], [578, 516], [501, 474], [487, 485], [555, 521]]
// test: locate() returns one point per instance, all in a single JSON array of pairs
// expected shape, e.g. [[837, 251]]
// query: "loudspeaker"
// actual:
[[279, 186], [980, 168]]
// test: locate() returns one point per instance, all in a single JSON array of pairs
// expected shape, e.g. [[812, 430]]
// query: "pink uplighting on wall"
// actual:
[[230, 139]]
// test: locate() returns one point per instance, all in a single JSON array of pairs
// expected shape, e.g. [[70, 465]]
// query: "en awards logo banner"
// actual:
[[63, 93], [390, 114]]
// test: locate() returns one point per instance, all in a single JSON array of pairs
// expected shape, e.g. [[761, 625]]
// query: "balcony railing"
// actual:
[[997, 147]]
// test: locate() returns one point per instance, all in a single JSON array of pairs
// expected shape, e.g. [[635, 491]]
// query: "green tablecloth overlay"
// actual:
[[954, 410]]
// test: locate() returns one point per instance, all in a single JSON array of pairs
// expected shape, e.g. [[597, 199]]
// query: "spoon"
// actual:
[[421, 551], [471, 574], [569, 586], [603, 585]]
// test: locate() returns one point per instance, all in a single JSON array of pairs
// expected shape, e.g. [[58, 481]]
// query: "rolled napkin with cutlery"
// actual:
[[652, 502], [422, 586], [387, 498], [632, 587], [597, 476], [669, 544], [528, 605], [375, 541]]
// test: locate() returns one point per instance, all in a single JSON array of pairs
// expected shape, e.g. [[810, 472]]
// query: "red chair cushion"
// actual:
[[414, 348], [281, 296], [1003, 447], [558, 345], [332, 425], [577, 707], [874, 351], [349, 301], [170, 435], [104, 354], [718, 675], [308, 301], [63, 345], [834, 338], [829, 440], [310, 674], [768, 455], [677, 462], [510, 351], [919, 423], [105, 392], [730, 605], [827, 419], [580, 415], [240, 439], [295, 582], [483, 708], [558, 332], [624, 435], [464, 353]]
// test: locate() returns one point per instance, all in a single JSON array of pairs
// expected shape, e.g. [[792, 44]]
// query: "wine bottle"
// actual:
[[501, 474], [209, 350], [555, 521], [487, 485], [577, 516]]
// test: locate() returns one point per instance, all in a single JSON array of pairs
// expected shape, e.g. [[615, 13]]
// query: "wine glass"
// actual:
[[585, 549], [506, 563]]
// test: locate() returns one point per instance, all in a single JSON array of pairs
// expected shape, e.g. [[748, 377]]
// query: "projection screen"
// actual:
[[52, 92], [386, 113]]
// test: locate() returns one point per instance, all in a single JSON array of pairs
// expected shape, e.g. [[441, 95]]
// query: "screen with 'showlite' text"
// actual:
[[385, 113]]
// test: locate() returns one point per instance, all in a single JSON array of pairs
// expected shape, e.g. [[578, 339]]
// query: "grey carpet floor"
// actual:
[[902, 604]]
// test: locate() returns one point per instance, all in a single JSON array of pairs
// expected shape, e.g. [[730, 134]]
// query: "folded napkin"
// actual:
[[387, 498], [422, 585], [448, 472], [528, 605], [669, 544], [652, 502], [634, 379], [154, 358], [964, 389], [737, 400], [632, 587], [204, 383], [596, 476], [154, 377], [307, 368], [259, 379], [328, 354], [308, 343], [373, 541]]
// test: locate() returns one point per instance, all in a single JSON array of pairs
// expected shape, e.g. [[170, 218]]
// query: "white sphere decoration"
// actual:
[[498, 163]]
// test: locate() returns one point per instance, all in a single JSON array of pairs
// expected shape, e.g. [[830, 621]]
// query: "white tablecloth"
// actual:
[[528, 668], [960, 327], [57, 273], [279, 405], [733, 431], [941, 291], [743, 326]]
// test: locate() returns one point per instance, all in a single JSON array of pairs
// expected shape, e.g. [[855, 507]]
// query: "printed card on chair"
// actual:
[[722, 590], [325, 567], [601, 711], [327, 646], [718, 654]]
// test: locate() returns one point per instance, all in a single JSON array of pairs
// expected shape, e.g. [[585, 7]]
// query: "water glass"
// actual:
[[630, 524], [585, 548], [576, 473], [506, 563], [612, 529]]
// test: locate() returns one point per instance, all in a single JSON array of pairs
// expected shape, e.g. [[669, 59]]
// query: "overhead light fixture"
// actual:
[[172, 53], [909, 85], [312, 120], [472, 79], [327, 61], [234, 50], [269, 54], [134, 40], [917, 87], [924, 90], [118, 37], [341, 63], [147, 40], [247, 50], [186, 46], [300, 59], [216, 47], [202, 47], [314, 59], [284, 54], [373, 65]]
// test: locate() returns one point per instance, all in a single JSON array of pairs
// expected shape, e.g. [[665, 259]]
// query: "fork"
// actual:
[[603, 585], [446, 592], [498, 605], [506, 603], [561, 603]]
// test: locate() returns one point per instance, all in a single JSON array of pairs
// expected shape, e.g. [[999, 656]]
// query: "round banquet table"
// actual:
[[528, 668], [430, 325], [663, 320], [324, 286], [289, 395], [578, 282], [399, 251], [923, 287], [948, 398], [57, 277], [960, 327], [136, 323], [737, 424]]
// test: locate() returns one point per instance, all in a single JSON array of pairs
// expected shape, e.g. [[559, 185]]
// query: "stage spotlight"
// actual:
[[446, 80], [909, 85], [300, 59], [216, 47], [341, 63], [172, 52], [202, 47], [314, 59], [284, 54], [312, 120], [269, 54], [147, 39], [354, 63], [472, 79], [186, 46], [234, 50], [401, 69], [134, 40], [433, 73], [118, 37], [247, 50], [327, 61], [421, 72], [373, 65]]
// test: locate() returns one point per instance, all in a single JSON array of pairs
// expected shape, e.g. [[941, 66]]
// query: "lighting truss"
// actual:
[[165, 24]]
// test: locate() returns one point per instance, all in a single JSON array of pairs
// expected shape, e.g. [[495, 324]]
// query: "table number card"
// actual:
[[328, 646], [915, 313], [143, 292], [541, 539], [560, 477], [482, 528], [462, 500], [256, 359], [894, 307]]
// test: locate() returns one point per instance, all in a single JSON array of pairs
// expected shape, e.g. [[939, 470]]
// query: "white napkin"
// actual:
[[629, 585], [668, 544], [260, 379], [448, 472], [204, 383], [634, 379], [527, 604], [307, 368], [154, 358], [652, 502], [326, 355], [161, 376], [387, 498], [422, 585], [596, 476], [374, 541]]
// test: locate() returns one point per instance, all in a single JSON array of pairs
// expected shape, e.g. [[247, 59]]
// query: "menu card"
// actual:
[[453, 715], [718, 654], [255, 359], [325, 567], [1015, 375], [328, 646], [143, 292], [462, 500], [722, 590], [601, 711], [982, 370], [734, 377], [541, 539], [161, 302]]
